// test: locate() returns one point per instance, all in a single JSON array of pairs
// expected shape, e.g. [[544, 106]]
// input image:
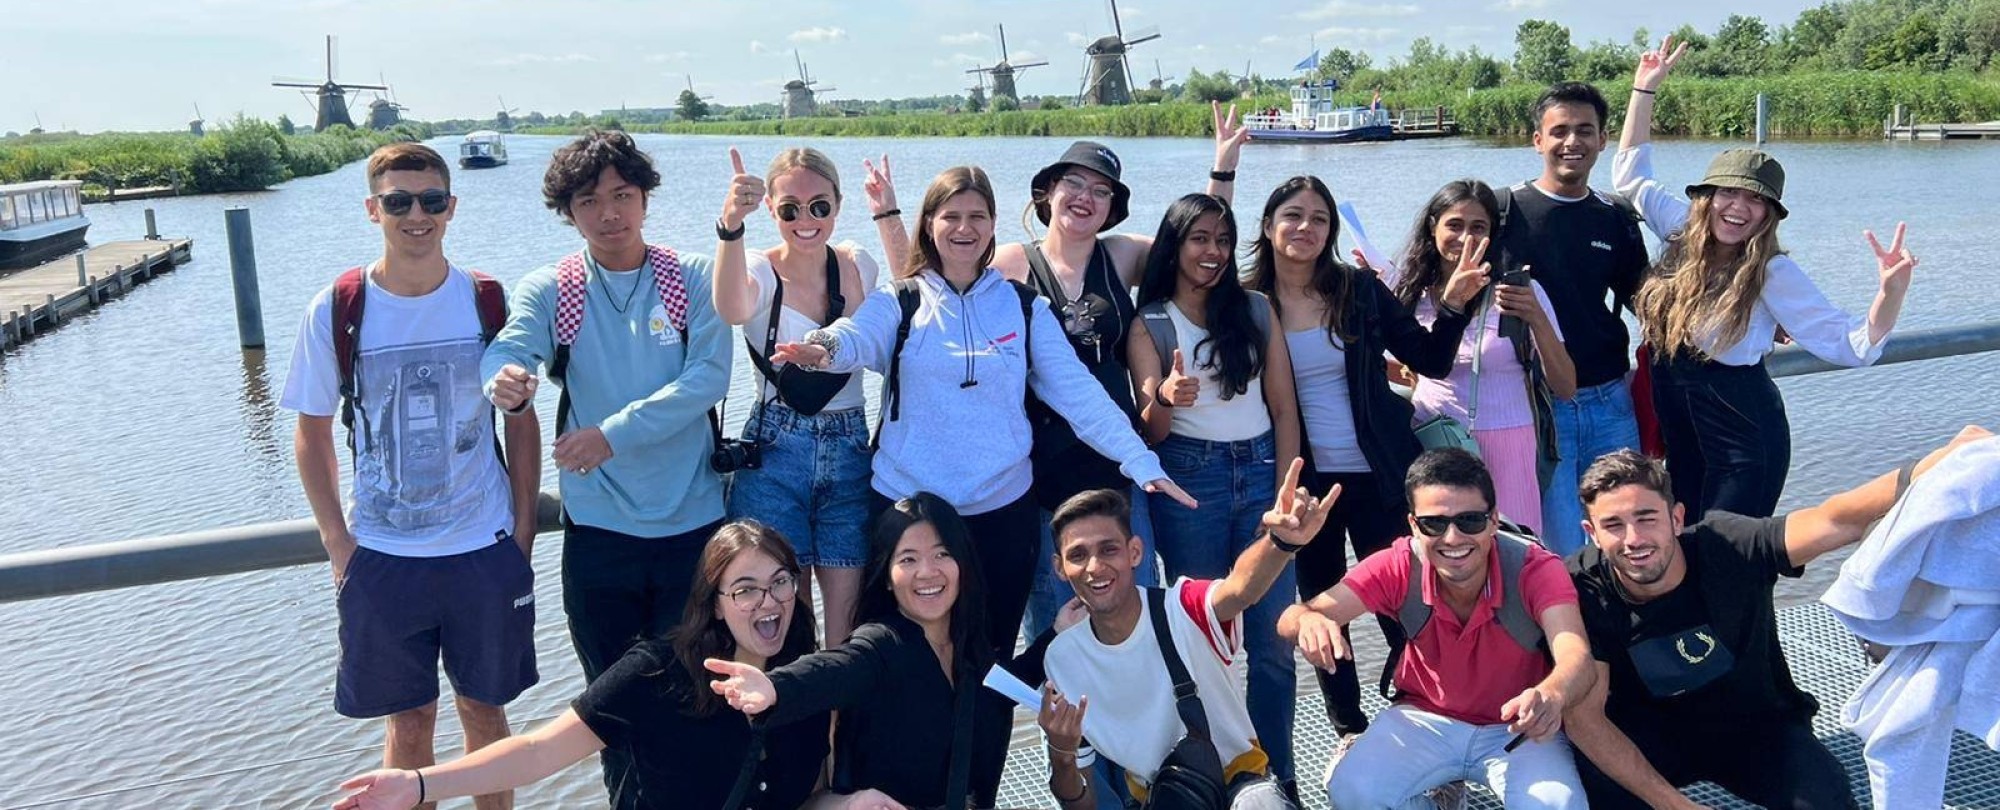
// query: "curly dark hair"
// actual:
[[575, 167]]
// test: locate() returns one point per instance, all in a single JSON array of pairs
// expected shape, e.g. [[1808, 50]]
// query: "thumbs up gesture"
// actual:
[[746, 192], [1178, 389]]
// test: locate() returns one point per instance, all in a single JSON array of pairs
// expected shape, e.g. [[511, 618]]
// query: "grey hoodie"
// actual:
[[963, 432]]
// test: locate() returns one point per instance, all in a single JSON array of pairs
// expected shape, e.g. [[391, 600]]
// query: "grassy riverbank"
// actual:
[[241, 156], [1845, 104]]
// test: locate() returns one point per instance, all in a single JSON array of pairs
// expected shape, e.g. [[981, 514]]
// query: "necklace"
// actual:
[[604, 284]]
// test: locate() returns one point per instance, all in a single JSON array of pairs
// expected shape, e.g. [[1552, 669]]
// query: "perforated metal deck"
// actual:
[[1824, 659]]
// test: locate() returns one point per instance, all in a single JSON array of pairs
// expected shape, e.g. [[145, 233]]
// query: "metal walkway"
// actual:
[[1825, 660]]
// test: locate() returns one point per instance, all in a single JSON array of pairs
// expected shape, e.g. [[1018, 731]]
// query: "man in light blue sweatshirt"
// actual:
[[626, 328]]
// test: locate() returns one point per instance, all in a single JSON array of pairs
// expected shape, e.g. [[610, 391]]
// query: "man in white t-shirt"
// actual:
[[431, 558], [1125, 708]]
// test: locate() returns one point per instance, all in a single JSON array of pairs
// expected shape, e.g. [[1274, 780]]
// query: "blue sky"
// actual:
[[95, 65]]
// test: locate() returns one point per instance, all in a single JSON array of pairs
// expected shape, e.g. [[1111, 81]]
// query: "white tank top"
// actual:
[[1213, 418]]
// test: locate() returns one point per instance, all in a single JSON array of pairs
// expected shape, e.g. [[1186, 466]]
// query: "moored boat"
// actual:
[[40, 220], [483, 149], [1314, 118]]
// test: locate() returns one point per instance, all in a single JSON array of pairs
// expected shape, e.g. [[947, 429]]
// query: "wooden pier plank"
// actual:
[[39, 298]]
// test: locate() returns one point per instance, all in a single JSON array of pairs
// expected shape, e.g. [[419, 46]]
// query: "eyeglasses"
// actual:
[[1467, 523], [782, 589], [397, 203], [1077, 185], [819, 209]]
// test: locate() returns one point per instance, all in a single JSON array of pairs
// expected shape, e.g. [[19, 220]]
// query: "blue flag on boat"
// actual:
[[1309, 62]]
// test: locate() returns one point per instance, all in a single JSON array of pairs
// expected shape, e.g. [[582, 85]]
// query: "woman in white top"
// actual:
[[1220, 411], [810, 430], [1712, 307], [1504, 399]]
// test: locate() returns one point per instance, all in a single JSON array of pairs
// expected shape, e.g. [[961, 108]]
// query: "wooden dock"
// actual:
[[1942, 132], [41, 298], [1417, 124]]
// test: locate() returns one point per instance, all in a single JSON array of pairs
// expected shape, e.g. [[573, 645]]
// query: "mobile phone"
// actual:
[[1517, 277]]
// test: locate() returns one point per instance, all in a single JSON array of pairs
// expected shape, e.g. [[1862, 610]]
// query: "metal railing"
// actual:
[[148, 561]]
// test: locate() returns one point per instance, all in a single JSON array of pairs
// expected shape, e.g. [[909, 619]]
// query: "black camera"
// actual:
[[735, 454]]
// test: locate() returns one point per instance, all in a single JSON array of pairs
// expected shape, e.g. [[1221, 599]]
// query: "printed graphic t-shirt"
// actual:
[[426, 481]]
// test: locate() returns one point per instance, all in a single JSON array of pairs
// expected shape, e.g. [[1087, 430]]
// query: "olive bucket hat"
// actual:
[[1084, 155], [1747, 169]]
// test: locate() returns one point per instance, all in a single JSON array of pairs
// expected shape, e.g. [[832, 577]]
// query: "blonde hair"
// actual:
[[948, 184], [1694, 292], [806, 158]]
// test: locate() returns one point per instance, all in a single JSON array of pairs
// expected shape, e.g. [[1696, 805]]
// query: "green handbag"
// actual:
[[1442, 431]]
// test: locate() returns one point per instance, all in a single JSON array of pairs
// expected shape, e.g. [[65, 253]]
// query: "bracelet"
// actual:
[[420, 784], [728, 235], [1642, 90], [825, 340], [1066, 800], [1158, 401], [1068, 752], [1221, 176], [1288, 548], [893, 212]]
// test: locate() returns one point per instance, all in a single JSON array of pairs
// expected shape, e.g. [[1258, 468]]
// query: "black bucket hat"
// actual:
[[1085, 155], [1747, 169]]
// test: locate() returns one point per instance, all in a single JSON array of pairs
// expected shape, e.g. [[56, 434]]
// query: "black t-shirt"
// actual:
[[1706, 654], [640, 704], [1590, 258]]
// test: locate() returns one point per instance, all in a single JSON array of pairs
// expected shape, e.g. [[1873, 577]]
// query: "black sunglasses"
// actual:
[[397, 203], [819, 209], [1467, 523]]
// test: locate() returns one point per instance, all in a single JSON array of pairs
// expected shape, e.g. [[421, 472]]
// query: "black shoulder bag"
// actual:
[[804, 391], [1190, 778]]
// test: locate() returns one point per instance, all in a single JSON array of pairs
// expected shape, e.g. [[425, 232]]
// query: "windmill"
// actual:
[[38, 125], [799, 92], [1159, 82], [976, 94], [690, 83], [503, 120], [195, 124], [1107, 76], [1003, 73], [331, 106], [384, 113]]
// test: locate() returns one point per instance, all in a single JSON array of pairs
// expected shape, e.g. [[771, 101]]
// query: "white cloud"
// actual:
[[968, 38], [818, 34], [757, 47], [542, 59], [1518, 5], [1273, 39], [1077, 39], [660, 58], [1334, 9], [1342, 36], [1130, 12], [1023, 56]]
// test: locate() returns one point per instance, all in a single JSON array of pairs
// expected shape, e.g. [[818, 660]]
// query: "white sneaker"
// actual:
[[1340, 748], [1449, 796]]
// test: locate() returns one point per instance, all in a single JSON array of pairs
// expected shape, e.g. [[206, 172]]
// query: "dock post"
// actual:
[[1763, 119], [82, 277], [243, 270], [152, 227]]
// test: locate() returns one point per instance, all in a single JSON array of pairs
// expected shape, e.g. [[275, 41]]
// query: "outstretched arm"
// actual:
[[1614, 753], [522, 759], [1652, 71], [1844, 518], [1293, 519]]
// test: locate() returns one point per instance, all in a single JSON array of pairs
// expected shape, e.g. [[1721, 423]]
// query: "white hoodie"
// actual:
[[963, 430]]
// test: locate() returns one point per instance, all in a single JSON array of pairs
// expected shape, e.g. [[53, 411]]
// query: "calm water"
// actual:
[[145, 418]]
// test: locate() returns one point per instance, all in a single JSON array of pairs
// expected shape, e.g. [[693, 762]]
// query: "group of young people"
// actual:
[[1067, 423]]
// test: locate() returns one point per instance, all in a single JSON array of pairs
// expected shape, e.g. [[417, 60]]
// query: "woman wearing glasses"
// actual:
[[813, 482], [1088, 274], [686, 747]]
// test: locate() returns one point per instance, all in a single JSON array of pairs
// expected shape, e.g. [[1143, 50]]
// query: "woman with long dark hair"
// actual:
[[1511, 364], [907, 677], [1220, 411], [1712, 306], [1338, 320], [687, 749]]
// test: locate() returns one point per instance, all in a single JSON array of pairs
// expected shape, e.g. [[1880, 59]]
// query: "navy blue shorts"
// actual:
[[399, 614]]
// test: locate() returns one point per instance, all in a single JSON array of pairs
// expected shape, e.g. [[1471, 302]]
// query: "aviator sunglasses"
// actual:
[[818, 209], [397, 203], [1467, 523]]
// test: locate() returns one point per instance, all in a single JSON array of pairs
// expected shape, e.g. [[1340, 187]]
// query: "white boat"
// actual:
[[483, 149], [40, 220], [1314, 118]]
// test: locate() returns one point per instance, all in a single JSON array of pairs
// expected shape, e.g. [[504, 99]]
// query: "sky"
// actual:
[[95, 65]]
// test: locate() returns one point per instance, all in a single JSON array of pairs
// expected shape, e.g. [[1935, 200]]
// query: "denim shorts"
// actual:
[[813, 485], [399, 614]]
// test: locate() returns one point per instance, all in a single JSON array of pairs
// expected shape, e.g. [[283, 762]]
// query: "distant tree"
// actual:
[[1542, 52], [974, 104], [1010, 103], [1203, 88], [1809, 41], [286, 126], [690, 107], [1914, 44], [1979, 28], [1149, 96], [1742, 47], [1604, 61], [1342, 64], [1478, 71], [1700, 59]]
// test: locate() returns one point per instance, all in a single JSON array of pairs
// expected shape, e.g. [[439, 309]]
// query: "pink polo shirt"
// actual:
[[1463, 670]]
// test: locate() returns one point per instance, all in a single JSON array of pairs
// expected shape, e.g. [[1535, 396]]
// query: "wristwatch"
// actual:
[[825, 340]]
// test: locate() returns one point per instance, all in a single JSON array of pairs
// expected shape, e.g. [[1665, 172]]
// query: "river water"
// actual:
[[146, 418]]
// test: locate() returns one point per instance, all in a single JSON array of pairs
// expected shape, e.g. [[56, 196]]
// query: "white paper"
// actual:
[[1000, 680], [1376, 261]]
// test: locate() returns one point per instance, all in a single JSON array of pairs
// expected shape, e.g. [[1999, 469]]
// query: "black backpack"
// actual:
[[909, 293]]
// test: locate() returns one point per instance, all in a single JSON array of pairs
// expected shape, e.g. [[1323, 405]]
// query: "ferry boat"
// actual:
[[484, 149], [1314, 118], [40, 220]]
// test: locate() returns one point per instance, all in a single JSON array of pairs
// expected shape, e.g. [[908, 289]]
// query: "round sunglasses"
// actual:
[[819, 209], [397, 203]]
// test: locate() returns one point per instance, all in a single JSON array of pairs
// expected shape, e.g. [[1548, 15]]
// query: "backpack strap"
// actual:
[[1160, 326], [1512, 543], [1187, 697], [350, 297], [1028, 294], [572, 290], [491, 299], [1260, 316], [909, 294], [1044, 275]]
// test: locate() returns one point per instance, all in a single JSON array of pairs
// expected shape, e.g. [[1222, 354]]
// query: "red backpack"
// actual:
[[350, 300]]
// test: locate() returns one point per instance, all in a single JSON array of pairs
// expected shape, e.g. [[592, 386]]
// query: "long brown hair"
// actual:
[[1334, 282], [1694, 292], [948, 184], [1423, 264], [703, 634]]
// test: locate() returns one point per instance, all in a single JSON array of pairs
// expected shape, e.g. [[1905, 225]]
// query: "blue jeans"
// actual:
[[1234, 482], [813, 486], [1598, 421], [1052, 591]]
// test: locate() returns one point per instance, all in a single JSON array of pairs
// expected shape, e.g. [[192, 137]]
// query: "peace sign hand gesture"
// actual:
[[1653, 65], [1894, 263], [1471, 274], [1297, 516], [880, 185], [1230, 135], [746, 192]]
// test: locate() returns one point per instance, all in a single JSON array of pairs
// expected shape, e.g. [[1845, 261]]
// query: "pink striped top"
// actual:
[[1503, 383]]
